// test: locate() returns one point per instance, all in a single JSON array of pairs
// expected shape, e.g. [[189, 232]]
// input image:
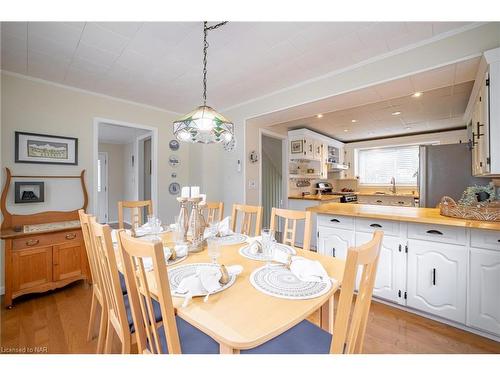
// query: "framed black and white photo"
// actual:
[[29, 192], [45, 149], [296, 147]]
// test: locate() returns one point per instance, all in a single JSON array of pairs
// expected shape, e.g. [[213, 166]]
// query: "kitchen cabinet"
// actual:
[[334, 241], [437, 279], [484, 307]]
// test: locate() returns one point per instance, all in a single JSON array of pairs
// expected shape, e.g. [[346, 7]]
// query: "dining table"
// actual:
[[242, 317]]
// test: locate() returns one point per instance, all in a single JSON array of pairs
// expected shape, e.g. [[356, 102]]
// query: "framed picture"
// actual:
[[45, 149], [297, 147], [174, 144], [29, 192]]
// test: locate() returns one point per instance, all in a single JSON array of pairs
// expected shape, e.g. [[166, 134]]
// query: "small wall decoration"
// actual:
[[254, 157], [173, 161], [296, 147], [45, 149], [29, 192], [174, 144], [173, 175], [174, 188], [229, 146]]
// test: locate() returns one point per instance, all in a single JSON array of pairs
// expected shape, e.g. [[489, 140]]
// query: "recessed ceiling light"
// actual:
[[319, 115], [418, 94], [353, 121], [397, 113], [407, 128], [346, 130]]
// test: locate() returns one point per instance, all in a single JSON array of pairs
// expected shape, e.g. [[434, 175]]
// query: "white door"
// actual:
[[387, 281], [334, 242], [484, 307], [102, 187], [437, 278]]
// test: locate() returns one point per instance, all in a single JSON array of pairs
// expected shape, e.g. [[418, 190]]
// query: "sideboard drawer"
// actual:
[[485, 239], [47, 239], [336, 221], [438, 233], [390, 228]]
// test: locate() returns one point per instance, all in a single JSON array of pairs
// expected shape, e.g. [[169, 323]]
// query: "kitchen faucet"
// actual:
[[393, 183]]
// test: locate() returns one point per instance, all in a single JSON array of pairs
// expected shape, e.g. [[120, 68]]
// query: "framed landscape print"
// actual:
[[45, 149]]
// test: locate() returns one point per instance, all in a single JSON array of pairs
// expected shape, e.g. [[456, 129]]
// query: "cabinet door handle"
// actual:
[[433, 231], [335, 221], [433, 276], [32, 242], [375, 225], [70, 236], [333, 251], [379, 201]]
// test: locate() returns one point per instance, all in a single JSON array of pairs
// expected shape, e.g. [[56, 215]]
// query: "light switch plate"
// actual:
[[252, 184]]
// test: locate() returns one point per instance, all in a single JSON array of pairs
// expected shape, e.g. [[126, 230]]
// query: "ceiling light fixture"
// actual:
[[204, 124], [418, 94], [353, 121], [397, 113], [346, 130], [319, 115]]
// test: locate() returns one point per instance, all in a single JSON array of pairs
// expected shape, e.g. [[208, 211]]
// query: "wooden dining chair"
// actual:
[[175, 336], [136, 212], [248, 213], [290, 226], [98, 302], [351, 319], [215, 212]]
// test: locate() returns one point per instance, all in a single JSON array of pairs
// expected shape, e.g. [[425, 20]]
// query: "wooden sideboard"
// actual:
[[44, 260]]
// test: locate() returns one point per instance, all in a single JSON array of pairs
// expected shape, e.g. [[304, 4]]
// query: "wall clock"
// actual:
[[254, 157], [174, 188], [174, 144], [173, 161]]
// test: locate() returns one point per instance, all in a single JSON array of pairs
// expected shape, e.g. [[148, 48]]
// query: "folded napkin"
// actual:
[[205, 281], [304, 269], [224, 227], [256, 245], [143, 230], [148, 262]]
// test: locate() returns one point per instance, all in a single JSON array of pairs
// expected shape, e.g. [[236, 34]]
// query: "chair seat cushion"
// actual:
[[193, 341], [156, 310], [304, 338]]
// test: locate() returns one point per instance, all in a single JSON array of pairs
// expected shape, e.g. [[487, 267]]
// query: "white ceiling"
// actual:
[[159, 63], [109, 133], [446, 91]]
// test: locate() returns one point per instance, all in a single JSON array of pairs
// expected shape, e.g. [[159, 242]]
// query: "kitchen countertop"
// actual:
[[388, 194], [409, 214], [316, 197]]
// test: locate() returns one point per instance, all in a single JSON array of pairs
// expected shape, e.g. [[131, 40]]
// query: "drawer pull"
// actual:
[[433, 231], [70, 236], [32, 242], [379, 201], [400, 202], [333, 252], [335, 221], [433, 276], [375, 225]]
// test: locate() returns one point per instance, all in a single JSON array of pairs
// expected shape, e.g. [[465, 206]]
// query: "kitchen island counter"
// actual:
[[316, 197]]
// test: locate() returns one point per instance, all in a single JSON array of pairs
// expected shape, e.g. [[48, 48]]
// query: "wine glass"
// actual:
[[268, 244], [213, 244]]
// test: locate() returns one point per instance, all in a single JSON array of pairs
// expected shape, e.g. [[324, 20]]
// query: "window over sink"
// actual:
[[376, 166]]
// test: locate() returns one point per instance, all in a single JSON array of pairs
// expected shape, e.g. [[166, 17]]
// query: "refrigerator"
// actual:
[[445, 170]]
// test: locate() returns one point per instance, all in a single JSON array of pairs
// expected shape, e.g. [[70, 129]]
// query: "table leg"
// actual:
[[224, 349], [327, 315]]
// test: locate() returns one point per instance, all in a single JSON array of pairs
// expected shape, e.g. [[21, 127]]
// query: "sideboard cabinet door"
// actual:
[[31, 268], [437, 278], [68, 261]]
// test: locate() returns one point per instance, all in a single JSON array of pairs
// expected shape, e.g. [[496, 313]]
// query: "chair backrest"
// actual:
[[136, 208], [350, 321], [108, 267], [139, 283], [249, 212], [215, 212], [290, 226], [89, 248]]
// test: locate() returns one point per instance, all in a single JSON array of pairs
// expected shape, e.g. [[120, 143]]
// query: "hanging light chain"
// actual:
[[205, 50]]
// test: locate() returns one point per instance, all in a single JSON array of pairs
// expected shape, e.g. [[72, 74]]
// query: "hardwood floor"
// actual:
[[56, 322]]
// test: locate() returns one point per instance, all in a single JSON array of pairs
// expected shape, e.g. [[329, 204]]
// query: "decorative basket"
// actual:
[[486, 212]]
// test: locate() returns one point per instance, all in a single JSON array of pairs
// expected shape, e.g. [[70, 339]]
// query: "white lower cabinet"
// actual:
[[390, 265], [334, 241], [437, 278], [484, 306]]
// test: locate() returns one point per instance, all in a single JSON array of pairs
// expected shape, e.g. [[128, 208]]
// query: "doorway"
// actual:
[[124, 167], [273, 175]]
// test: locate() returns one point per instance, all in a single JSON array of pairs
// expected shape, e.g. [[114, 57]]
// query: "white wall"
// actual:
[[41, 107], [115, 177]]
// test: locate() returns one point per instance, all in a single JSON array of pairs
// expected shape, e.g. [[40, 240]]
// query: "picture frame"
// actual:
[[36, 148], [296, 147], [29, 192]]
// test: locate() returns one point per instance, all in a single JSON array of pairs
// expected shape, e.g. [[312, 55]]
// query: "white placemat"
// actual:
[[233, 239], [176, 274], [247, 253], [278, 281]]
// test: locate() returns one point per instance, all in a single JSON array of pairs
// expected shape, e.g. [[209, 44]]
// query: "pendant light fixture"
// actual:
[[204, 124]]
